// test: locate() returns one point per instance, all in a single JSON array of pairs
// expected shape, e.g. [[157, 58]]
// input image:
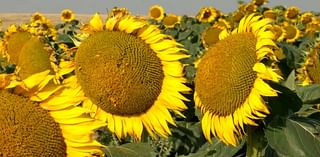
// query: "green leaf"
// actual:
[[184, 35], [294, 136], [285, 103], [131, 150], [294, 55], [216, 149], [309, 94], [291, 81], [64, 38]]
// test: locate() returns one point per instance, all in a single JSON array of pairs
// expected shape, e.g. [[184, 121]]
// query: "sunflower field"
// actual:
[[244, 83]]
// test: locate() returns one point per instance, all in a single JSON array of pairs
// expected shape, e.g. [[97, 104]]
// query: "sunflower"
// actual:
[[170, 20], [222, 23], [67, 15], [156, 12], [259, 2], [14, 39], [310, 71], [290, 33], [278, 32], [237, 16], [270, 14], [131, 76], [207, 14], [210, 36], [119, 12], [312, 27], [306, 17], [229, 82], [292, 14], [37, 18], [250, 8], [45, 122]]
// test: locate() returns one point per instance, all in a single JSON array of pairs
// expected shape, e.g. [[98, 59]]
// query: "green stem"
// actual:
[[255, 142]]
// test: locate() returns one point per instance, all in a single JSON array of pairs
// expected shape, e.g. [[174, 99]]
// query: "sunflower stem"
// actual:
[[256, 142]]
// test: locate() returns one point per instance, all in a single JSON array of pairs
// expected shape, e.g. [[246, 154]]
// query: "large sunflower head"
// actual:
[[37, 120], [208, 14], [131, 76], [156, 12], [229, 82]]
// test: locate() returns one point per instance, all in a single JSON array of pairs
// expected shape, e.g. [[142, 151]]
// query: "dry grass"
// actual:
[[18, 18]]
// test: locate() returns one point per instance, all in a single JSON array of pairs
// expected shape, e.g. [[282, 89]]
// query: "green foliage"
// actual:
[[294, 136]]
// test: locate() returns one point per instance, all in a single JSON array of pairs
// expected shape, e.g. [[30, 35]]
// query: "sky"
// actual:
[[138, 7]]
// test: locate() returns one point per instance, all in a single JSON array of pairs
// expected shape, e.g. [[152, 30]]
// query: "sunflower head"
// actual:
[[259, 2], [292, 13], [37, 18], [119, 12], [312, 27], [156, 12], [67, 15], [33, 58], [222, 24], [237, 16], [140, 77], [207, 14], [270, 14], [33, 131], [310, 71], [170, 20], [306, 17], [290, 33], [210, 36], [229, 82], [278, 32], [41, 122], [14, 44], [250, 8]]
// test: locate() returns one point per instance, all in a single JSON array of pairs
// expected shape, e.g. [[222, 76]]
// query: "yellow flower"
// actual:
[[292, 13], [250, 8], [38, 120], [37, 18], [306, 17], [270, 14], [207, 14], [210, 36], [259, 2], [237, 16], [119, 12], [67, 15], [310, 70], [222, 24], [290, 33], [130, 76], [170, 20], [278, 32], [156, 12], [229, 82]]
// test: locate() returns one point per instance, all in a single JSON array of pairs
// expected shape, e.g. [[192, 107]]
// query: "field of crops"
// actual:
[[214, 84]]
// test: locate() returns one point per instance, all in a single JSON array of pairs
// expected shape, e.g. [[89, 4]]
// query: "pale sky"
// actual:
[[139, 7]]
